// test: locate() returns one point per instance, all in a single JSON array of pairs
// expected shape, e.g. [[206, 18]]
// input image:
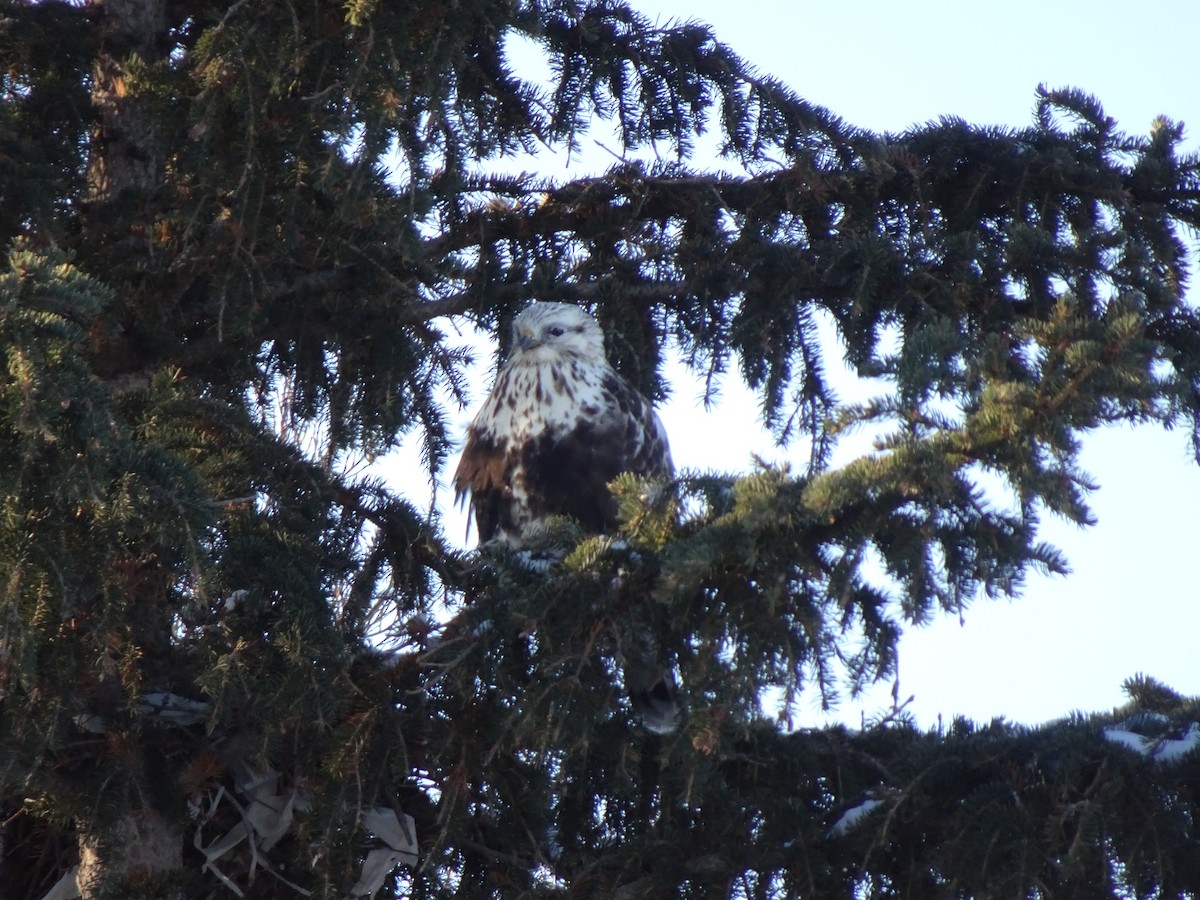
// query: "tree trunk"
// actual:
[[126, 149], [126, 154], [142, 847]]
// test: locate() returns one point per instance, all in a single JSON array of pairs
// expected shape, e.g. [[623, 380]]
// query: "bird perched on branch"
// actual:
[[557, 427]]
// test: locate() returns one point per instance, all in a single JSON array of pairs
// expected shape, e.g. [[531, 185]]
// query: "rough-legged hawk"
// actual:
[[557, 427]]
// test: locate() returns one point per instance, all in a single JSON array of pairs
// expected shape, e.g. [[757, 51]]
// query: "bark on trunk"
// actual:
[[142, 847], [126, 153], [126, 147]]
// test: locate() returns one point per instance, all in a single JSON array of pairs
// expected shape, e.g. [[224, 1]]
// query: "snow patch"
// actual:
[[850, 819], [1170, 751], [1162, 750], [1134, 741]]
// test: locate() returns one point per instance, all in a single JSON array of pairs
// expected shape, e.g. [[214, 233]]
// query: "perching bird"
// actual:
[[557, 427]]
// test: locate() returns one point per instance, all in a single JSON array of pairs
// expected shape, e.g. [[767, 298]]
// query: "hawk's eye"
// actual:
[[555, 330]]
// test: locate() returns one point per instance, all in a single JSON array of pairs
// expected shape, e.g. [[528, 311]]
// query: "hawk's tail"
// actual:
[[656, 705]]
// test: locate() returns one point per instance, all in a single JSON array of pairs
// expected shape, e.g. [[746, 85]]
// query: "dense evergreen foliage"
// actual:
[[237, 237]]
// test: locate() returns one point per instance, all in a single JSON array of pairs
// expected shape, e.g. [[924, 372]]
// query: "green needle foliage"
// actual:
[[239, 239]]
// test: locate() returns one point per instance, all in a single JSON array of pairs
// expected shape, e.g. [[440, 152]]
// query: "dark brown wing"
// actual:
[[569, 474], [484, 475], [564, 472], [642, 448]]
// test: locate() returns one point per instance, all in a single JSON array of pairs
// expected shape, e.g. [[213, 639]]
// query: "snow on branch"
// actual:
[[1163, 750], [850, 819]]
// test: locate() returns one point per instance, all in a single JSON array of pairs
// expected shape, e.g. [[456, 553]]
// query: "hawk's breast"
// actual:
[[549, 439]]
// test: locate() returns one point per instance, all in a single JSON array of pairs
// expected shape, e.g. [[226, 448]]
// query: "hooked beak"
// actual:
[[526, 340]]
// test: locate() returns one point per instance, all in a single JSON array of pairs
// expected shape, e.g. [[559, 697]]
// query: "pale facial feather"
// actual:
[[553, 375], [555, 332]]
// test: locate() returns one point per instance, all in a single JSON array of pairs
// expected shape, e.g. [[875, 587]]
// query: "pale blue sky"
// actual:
[[1133, 602]]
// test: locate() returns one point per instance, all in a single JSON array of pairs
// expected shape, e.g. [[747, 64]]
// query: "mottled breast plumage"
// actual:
[[558, 425]]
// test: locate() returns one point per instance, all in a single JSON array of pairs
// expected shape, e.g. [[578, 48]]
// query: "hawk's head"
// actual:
[[553, 332]]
